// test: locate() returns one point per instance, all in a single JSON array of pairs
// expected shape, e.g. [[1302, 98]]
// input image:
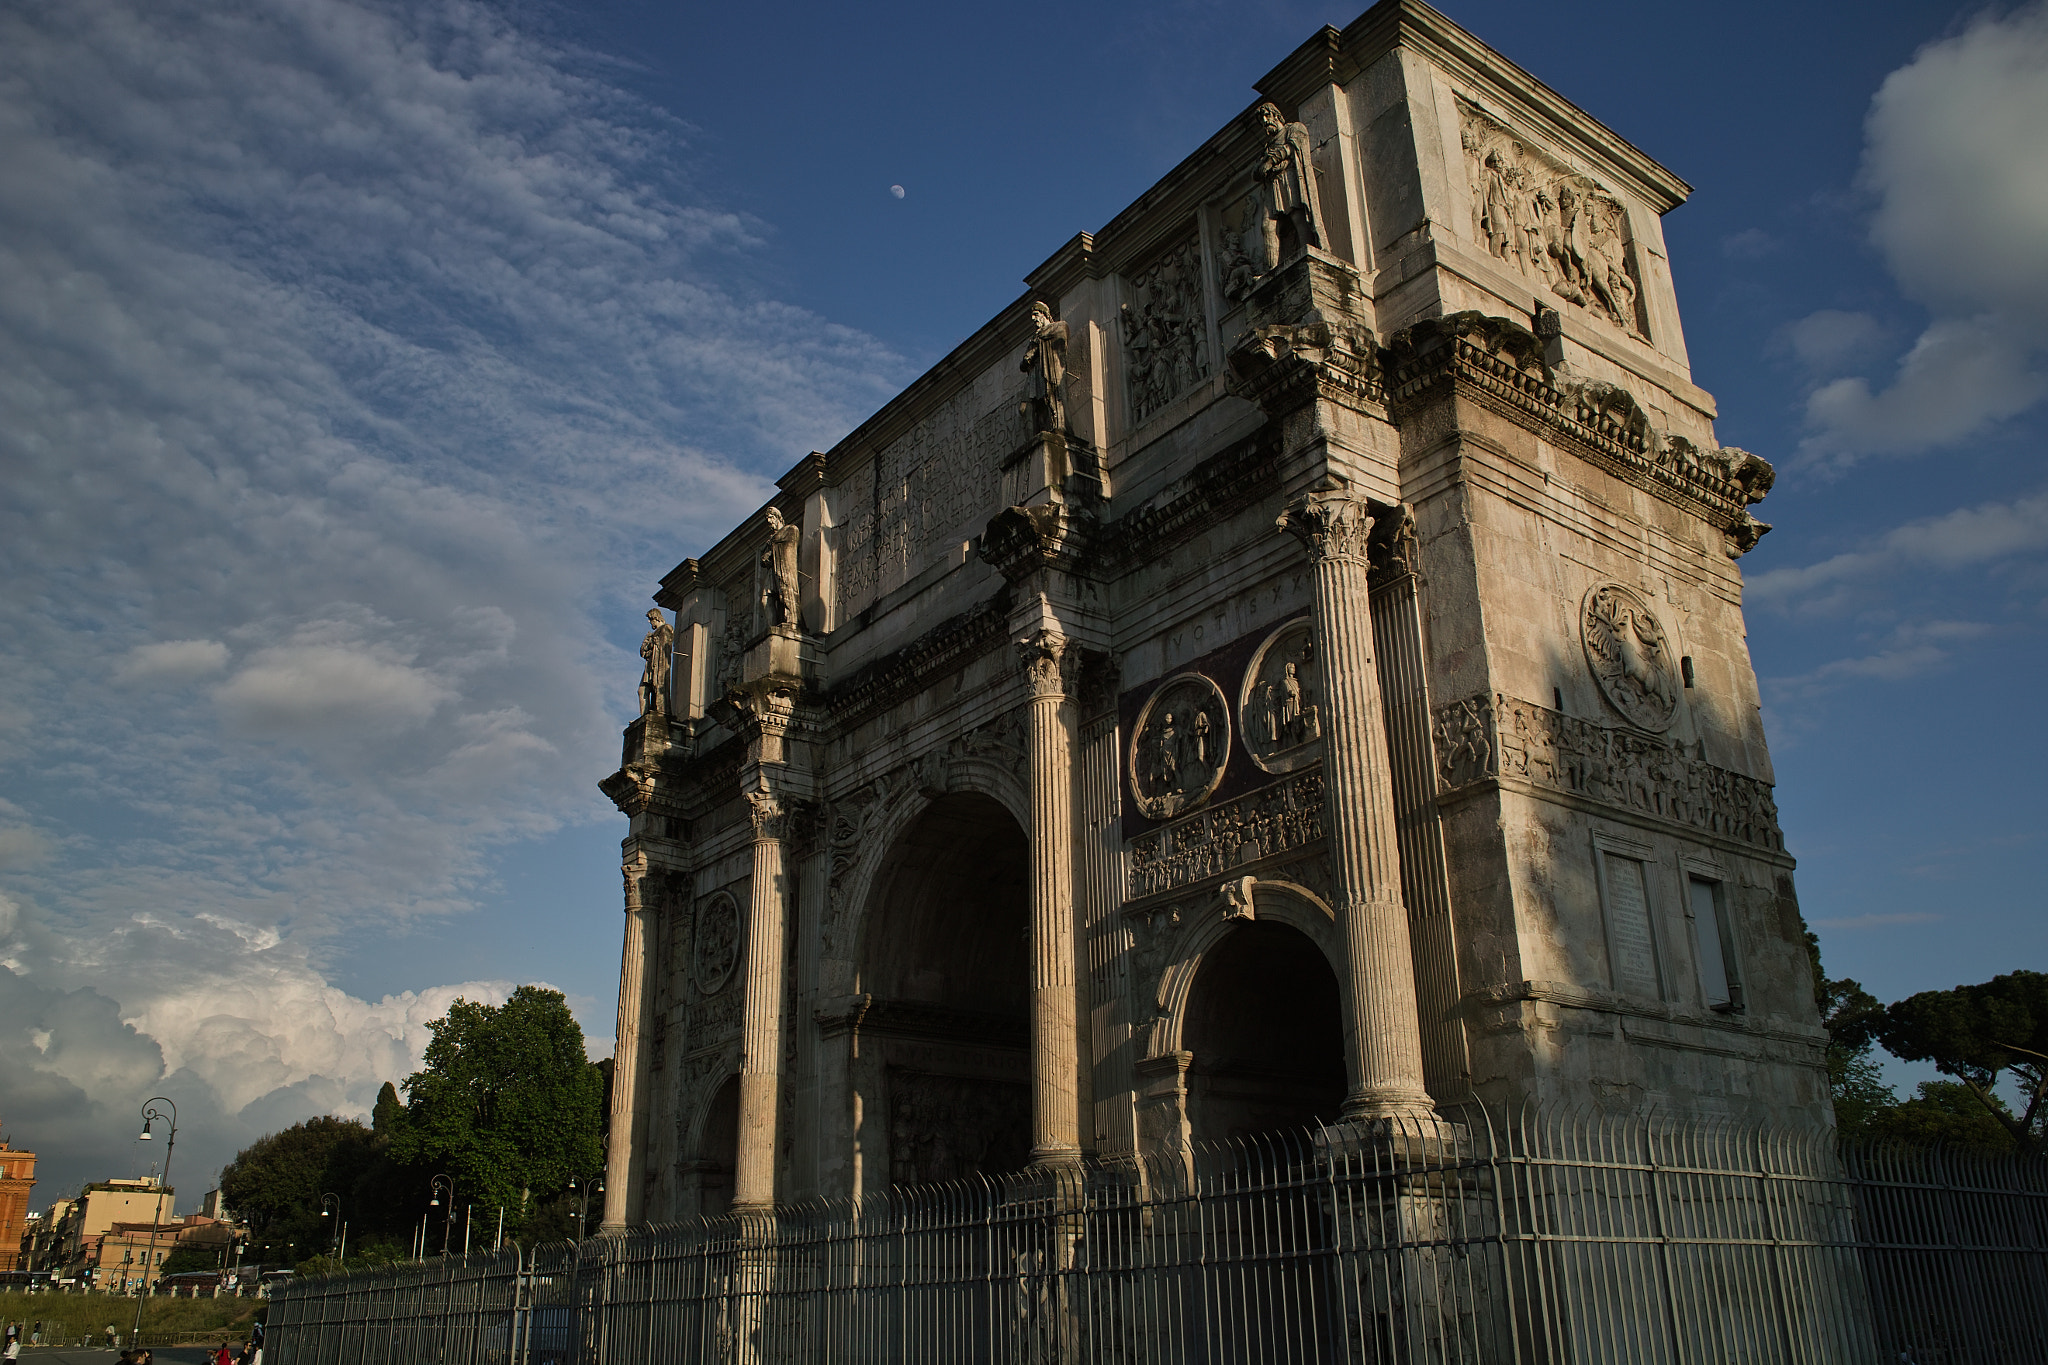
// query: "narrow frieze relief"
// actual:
[[1557, 226], [1483, 738], [1165, 330], [1215, 842]]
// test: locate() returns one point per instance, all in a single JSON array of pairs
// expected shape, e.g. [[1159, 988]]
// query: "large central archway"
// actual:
[[944, 1077], [1265, 1028]]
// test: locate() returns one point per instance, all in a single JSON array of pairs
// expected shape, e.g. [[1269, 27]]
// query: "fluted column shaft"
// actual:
[[625, 1160], [1365, 858], [1055, 1044], [761, 1033]]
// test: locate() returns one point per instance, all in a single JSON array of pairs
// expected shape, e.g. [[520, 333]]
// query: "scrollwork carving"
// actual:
[[1333, 523], [1048, 664]]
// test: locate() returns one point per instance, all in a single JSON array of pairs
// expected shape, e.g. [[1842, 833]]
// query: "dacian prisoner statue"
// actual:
[[1285, 667]]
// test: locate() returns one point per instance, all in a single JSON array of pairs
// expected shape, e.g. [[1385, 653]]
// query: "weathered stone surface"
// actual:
[[1017, 783]]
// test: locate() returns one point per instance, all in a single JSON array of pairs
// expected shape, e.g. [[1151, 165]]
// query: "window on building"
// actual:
[[1632, 957], [1713, 948]]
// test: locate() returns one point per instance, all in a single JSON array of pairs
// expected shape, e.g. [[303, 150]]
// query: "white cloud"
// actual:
[[172, 661], [1876, 921], [1954, 153], [1964, 538], [1912, 649], [363, 364], [1827, 339]]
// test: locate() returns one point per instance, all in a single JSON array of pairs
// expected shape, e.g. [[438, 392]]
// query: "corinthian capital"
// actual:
[[1048, 663], [1333, 523], [770, 814]]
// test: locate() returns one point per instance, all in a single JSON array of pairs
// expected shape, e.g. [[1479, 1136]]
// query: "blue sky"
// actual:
[[363, 365]]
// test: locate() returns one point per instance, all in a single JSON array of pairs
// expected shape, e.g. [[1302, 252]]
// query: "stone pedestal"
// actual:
[[1365, 860]]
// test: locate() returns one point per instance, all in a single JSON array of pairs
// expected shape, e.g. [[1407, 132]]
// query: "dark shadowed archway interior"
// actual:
[[947, 962], [718, 1150], [1266, 1032]]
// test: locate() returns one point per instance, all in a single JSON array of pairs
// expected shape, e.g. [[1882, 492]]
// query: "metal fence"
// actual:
[[1481, 1239]]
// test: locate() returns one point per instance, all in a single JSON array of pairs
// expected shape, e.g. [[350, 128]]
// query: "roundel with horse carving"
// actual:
[[1630, 656]]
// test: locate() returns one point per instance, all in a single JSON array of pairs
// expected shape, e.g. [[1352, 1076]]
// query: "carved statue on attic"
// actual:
[[775, 578], [1045, 360], [656, 649], [1286, 190]]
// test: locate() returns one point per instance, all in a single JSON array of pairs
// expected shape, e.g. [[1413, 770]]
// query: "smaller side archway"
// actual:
[[1251, 1018], [717, 1147]]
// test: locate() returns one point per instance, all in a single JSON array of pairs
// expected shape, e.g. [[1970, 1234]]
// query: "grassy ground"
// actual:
[[72, 1318]]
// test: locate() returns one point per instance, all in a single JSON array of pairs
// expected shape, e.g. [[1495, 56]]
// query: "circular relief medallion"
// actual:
[[1630, 656], [1280, 712], [718, 943], [1181, 745]]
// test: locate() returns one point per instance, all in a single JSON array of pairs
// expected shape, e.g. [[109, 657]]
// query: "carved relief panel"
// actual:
[[1554, 225], [1630, 657], [1165, 328], [1180, 746], [1279, 712], [717, 951]]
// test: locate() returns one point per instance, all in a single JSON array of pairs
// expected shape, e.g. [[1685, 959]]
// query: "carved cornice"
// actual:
[[1051, 665], [1020, 541], [1499, 740], [943, 649], [1220, 486], [1500, 364], [1307, 341], [920, 1019], [632, 789]]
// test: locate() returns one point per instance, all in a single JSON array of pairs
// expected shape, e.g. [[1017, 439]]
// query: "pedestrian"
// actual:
[[13, 1347], [35, 1338], [224, 1356], [113, 1338]]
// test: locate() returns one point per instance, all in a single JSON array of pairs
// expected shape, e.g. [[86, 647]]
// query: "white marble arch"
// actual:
[[1280, 902]]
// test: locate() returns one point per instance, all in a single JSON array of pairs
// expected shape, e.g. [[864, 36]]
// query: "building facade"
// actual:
[[1287, 666], [17, 1179]]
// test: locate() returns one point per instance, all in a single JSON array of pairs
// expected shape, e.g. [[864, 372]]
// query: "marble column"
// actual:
[[753, 1185], [625, 1162], [1055, 1042], [1365, 859]]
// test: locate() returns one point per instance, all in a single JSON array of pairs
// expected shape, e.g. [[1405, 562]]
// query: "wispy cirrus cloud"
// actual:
[[1968, 537], [358, 359]]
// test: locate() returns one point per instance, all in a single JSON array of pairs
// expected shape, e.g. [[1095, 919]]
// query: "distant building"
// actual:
[[17, 1178], [132, 1255], [100, 1206], [214, 1205]]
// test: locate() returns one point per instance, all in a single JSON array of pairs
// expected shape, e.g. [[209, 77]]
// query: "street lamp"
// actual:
[[444, 1184], [594, 1185], [337, 1233], [150, 1115]]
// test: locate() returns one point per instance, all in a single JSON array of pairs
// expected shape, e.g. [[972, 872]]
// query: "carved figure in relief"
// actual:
[[1554, 224], [717, 947], [1286, 186], [1045, 360], [775, 578], [1626, 650], [1165, 331], [1181, 747], [658, 649], [1281, 708], [1236, 275]]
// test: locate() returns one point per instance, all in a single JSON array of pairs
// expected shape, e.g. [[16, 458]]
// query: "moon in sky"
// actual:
[[896, 190]]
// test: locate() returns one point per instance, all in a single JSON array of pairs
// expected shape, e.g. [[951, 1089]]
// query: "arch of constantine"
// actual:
[[1287, 666]]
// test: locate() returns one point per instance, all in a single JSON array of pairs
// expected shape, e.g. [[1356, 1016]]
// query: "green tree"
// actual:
[[1946, 1114], [276, 1181], [508, 1103], [389, 1115], [1851, 1016], [1977, 1034]]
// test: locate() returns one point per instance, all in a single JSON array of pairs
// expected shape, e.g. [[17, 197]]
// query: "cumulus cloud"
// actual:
[[1827, 339], [1955, 157], [363, 362]]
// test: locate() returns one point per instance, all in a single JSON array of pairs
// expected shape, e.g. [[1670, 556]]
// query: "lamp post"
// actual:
[[594, 1185], [337, 1232], [444, 1184], [150, 1115]]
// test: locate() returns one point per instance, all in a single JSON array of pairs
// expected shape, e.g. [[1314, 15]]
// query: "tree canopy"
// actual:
[[1977, 1034], [508, 1103], [276, 1181]]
